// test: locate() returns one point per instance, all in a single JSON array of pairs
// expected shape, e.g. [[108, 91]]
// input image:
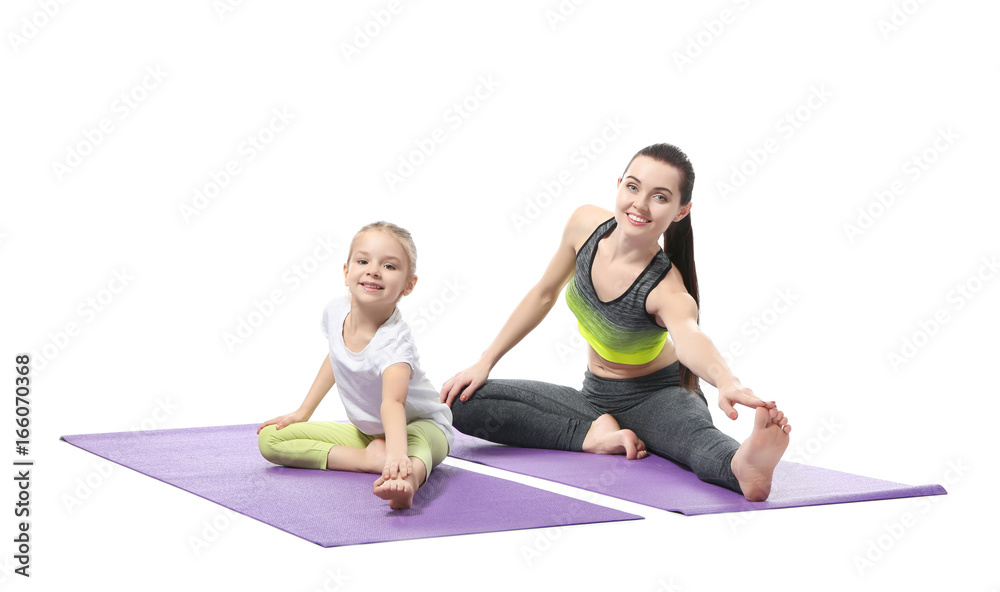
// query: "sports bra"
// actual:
[[620, 331]]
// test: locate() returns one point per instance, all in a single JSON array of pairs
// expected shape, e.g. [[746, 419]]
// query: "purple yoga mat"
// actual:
[[660, 483], [332, 508]]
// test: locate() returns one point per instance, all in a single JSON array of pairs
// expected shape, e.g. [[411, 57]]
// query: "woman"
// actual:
[[641, 390]]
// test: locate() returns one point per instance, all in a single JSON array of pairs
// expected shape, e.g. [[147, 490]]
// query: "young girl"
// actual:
[[398, 427], [639, 392]]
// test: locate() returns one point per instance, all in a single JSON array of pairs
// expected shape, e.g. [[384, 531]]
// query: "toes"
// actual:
[[630, 450]]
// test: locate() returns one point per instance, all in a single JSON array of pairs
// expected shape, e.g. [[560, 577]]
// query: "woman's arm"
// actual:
[[320, 387], [395, 386], [529, 313], [678, 312]]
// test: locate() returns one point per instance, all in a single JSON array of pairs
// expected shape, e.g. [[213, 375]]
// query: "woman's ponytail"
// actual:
[[678, 244]]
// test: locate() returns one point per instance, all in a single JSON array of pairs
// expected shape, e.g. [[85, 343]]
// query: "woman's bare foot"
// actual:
[[605, 436], [398, 492], [754, 461]]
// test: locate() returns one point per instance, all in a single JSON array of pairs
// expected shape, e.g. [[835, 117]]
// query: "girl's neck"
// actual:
[[364, 320]]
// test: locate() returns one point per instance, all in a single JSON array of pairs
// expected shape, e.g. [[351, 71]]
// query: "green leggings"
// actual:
[[306, 445]]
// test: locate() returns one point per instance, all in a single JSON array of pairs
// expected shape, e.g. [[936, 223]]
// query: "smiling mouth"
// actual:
[[371, 287], [637, 219]]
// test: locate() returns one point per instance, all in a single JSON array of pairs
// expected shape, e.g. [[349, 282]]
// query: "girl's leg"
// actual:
[[322, 445], [526, 413], [427, 446]]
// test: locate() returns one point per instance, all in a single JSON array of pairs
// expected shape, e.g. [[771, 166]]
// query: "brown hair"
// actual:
[[678, 242]]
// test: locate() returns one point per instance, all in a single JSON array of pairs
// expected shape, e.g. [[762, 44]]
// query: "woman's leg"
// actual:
[[321, 445], [526, 413], [678, 425], [672, 422]]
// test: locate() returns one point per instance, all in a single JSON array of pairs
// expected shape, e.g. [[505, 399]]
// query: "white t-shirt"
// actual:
[[358, 375]]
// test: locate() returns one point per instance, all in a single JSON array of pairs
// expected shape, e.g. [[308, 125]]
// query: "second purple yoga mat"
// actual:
[[660, 483], [332, 508]]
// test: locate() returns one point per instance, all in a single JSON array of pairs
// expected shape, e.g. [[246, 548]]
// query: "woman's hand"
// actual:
[[734, 392], [465, 383], [296, 416], [397, 467]]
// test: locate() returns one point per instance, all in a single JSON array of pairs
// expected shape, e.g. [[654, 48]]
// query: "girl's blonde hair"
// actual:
[[400, 234]]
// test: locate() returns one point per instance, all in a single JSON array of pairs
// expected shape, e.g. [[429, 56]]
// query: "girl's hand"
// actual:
[[732, 393], [465, 383], [296, 416], [396, 466]]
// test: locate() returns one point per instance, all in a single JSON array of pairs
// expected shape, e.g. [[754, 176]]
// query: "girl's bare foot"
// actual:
[[754, 461], [605, 436], [398, 492]]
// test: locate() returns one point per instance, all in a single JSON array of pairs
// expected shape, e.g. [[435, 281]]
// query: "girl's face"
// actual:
[[649, 197], [378, 270]]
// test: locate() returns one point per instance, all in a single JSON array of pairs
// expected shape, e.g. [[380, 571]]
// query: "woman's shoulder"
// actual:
[[582, 223]]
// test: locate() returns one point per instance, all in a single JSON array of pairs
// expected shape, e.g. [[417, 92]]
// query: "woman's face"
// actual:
[[649, 197]]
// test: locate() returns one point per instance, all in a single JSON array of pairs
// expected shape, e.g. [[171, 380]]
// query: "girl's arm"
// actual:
[[678, 312], [320, 387], [395, 386], [532, 309]]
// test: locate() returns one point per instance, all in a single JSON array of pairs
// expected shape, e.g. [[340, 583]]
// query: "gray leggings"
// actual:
[[672, 422]]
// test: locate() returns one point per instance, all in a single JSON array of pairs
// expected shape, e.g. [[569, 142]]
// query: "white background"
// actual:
[[155, 356]]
